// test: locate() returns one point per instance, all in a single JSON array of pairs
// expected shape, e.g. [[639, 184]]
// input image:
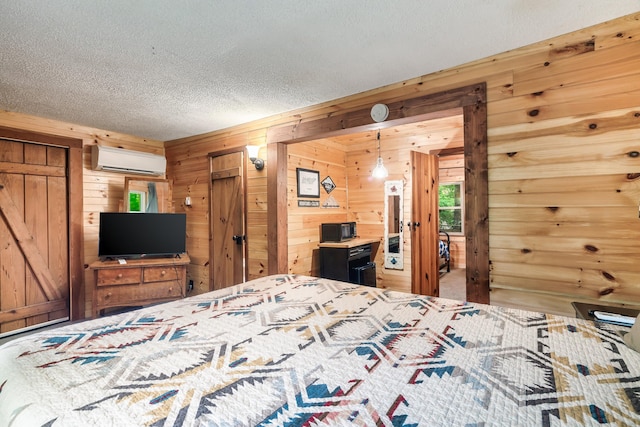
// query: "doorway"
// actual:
[[227, 223], [471, 99], [451, 224], [40, 230]]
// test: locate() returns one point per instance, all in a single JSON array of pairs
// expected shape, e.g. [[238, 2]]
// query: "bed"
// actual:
[[444, 253], [296, 350]]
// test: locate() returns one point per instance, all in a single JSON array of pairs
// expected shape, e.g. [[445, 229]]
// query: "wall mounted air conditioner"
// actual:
[[127, 161]]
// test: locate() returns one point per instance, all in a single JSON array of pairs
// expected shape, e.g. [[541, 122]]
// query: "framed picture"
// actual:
[[308, 182]]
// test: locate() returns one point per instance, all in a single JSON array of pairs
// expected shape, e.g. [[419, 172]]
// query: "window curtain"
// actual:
[[152, 202]]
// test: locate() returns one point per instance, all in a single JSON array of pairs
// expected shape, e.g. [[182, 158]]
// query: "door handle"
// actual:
[[239, 239]]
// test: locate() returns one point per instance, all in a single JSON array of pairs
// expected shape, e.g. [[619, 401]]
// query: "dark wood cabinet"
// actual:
[[350, 261]]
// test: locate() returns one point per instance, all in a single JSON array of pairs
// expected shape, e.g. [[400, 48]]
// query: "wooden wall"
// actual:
[[102, 191], [329, 159], [563, 116]]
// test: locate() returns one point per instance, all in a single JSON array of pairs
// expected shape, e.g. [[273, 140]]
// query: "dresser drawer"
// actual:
[[142, 294], [118, 276], [159, 274]]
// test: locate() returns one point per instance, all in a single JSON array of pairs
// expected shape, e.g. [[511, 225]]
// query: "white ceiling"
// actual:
[[165, 69]]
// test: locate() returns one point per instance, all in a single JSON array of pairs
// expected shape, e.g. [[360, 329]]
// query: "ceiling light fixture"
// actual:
[[379, 171], [253, 156]]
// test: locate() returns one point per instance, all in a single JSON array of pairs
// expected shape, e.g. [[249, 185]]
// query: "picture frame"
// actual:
[[328, 184], [308, 182]]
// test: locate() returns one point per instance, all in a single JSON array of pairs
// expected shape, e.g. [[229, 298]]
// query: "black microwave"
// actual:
[[337, 231]]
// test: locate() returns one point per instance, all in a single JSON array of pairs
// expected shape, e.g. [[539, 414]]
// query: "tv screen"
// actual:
[[139, 235]]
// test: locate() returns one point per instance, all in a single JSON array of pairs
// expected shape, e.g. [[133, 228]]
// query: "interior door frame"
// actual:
[[473, 101], [245, 249], [74, 148]]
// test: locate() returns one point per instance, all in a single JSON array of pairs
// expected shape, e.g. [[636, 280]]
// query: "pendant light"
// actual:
[[379, 171]]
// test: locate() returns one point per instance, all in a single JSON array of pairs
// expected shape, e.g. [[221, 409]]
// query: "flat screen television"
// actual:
[[141, 235]]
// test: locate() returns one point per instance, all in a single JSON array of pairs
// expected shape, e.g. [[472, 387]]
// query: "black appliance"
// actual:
[[140, 235], [337, 231], [348, 264]]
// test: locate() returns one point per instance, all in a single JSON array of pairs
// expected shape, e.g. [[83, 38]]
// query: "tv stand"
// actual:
[[138, 282]]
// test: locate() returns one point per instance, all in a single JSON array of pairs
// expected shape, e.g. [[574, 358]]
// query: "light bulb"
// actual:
[[379, 171]]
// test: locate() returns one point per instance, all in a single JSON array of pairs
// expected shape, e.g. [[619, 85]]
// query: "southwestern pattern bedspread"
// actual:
[[294, 350]]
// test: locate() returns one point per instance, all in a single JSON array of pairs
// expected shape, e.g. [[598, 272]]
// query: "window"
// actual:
[[451, 203]]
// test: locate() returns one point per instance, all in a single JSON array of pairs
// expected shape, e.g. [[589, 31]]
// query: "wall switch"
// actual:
[[187, 201]]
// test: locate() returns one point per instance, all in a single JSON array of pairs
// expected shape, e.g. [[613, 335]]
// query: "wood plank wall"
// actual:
[[330, 160], [562, 114], [102, 191]]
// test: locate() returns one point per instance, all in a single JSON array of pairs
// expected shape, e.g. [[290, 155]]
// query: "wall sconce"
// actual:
[[253, 156]]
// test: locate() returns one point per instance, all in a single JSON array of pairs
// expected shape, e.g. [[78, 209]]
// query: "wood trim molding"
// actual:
[[472, 99], [277, 220], [476, 189], [409, 110], [42, 138]]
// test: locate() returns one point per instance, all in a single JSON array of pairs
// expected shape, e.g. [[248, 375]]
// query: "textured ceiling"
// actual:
[[165, 69]]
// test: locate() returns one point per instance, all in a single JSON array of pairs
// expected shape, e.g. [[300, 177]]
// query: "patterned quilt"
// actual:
[[301, 351]]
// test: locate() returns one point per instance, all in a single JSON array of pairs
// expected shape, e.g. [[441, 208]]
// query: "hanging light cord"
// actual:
[[378, 143]]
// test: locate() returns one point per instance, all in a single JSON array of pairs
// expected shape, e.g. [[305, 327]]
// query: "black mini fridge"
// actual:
[[365, 274]]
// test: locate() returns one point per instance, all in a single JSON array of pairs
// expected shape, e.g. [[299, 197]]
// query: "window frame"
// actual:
[[453, 208]]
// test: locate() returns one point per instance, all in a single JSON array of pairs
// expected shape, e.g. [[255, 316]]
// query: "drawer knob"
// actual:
[[108, 295], [163, 273], [119, 275], [170, 289]]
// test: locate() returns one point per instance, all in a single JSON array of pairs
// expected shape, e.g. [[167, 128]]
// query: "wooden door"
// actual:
[[228, 241], [424, 224], [34, 235]]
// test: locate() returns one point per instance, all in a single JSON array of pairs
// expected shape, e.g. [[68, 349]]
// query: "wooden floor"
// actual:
[[453, 284]]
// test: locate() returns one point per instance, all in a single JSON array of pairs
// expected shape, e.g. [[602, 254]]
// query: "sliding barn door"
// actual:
[[228, 241], [34, 230], [424, 225]]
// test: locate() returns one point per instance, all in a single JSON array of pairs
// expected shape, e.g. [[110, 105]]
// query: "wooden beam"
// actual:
[[476, 188], [277, 231], [76, 233], [424, 107]]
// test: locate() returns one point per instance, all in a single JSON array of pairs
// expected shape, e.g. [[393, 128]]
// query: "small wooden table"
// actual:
[[585, 310]]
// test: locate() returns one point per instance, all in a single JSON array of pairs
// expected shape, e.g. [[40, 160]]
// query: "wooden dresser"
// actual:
[[138, 282]]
